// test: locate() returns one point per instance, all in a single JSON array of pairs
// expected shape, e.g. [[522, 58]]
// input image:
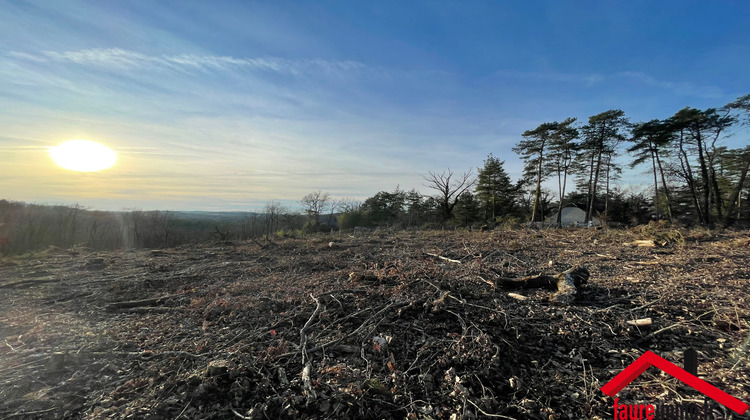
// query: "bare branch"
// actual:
[[450, 189]]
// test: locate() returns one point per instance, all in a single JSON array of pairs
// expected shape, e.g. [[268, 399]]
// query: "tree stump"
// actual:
[[564, 284]]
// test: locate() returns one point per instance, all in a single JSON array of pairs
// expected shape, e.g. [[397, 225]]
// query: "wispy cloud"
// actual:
[[679, 88], [553, 76], [638, 78], [117, 58]]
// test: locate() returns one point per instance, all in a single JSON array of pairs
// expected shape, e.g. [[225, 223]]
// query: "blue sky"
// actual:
[[224, 105]]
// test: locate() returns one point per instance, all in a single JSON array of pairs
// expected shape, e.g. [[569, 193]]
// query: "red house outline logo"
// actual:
[[649, 359]]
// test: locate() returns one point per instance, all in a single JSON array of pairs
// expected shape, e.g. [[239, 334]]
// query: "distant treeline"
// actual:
[[694, 179], [32, 227]]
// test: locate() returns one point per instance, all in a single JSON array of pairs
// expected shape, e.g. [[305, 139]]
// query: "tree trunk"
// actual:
[[706, 181], [656, 183], [606, 196], [734, 201], [561, 192], [589, 199], [664, 185], [565, 181], [688, 174], [590, 210], [716, 192], [538, 191]]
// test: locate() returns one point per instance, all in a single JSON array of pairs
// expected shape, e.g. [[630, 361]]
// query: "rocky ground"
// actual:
[[413, 325]]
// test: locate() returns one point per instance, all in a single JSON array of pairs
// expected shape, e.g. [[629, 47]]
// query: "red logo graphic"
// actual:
[[649, 359]]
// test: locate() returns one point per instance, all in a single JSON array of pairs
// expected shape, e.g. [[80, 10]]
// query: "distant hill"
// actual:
[[223, 216]]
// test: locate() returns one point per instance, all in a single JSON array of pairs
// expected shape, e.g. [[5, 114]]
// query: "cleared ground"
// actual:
[[372, 326]]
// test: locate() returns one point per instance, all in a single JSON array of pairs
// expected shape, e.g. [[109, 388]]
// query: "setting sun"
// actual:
[[83, 156]]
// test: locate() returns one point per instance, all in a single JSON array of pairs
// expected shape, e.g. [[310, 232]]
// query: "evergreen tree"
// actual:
[[651, 140], [532, 150], [562, 151], [385, 208], [467, 209], [698, 131], [741, 162], [601, 136], [495, 192]]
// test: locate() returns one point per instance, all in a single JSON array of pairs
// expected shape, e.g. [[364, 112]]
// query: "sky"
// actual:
[[226, 105]]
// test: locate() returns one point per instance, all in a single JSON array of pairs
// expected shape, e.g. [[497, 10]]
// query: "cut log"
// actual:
[[643, 322], [565, 284], [648, 243]]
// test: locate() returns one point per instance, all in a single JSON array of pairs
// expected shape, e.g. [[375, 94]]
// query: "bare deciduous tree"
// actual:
[[274, 212], [314, 204], [348, 205], [449, 189]]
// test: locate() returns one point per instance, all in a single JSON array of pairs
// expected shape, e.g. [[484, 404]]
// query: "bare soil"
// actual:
[[370, 326]]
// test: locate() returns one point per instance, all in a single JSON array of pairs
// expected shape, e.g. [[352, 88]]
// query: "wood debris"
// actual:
[[410, 325]]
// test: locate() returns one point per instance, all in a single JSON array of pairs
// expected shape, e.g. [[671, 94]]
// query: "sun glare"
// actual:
[[83, 156]]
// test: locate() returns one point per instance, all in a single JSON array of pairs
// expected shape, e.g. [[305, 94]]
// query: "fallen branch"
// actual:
[[258, 243], [643, 322], [516, 296], [138, 303], [303, 331], [484, 413], [343, 291], [146, 310], [648, 243], [306, 380], [240, 415], [334, 344], [675, 325], [28, 283], [443, 258]]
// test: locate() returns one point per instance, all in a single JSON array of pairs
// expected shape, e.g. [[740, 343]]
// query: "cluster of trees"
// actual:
[[695, 179], [459, 200]]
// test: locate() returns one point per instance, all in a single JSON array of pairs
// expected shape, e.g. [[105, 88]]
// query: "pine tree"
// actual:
[[562, 151], [698, 131], [532, 150], [651, 139], [601, 136], [495, 192]]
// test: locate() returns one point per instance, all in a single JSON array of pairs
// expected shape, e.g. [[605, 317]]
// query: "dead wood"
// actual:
[[221, 333], [27, 283], [643, 322], [579, 276], [143, 302], [647, 243], [565, 284], [146, 310], [443, 258]]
